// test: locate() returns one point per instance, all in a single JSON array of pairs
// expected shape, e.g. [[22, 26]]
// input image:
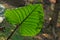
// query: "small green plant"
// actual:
[[29, 19]]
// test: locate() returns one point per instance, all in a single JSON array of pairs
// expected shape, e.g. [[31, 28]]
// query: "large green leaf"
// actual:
[[29, 17]]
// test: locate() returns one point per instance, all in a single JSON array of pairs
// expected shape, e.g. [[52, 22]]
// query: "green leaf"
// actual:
[[29, 17]]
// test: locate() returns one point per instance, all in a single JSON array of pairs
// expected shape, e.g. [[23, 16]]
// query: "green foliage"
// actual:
[[30, 19]]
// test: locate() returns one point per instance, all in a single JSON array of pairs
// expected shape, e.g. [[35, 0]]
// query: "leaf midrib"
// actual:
[[28, 15]]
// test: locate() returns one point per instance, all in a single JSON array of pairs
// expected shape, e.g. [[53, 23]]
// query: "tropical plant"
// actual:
[[29, 19]]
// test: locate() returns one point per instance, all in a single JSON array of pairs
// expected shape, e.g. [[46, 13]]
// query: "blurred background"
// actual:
[[51, 27]]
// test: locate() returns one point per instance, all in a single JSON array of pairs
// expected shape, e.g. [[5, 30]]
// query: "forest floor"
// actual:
[[46, 35]]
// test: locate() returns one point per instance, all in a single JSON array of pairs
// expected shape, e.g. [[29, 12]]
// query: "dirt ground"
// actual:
[[47, 32]]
